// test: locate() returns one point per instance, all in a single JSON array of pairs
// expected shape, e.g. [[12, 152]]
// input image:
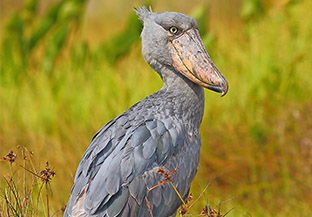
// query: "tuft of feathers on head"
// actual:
[[143, 12]]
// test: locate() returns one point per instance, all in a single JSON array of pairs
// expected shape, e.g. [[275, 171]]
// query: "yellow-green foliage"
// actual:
[[56, 93]]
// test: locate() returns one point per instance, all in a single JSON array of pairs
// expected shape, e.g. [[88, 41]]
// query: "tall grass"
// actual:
[[56, 93]]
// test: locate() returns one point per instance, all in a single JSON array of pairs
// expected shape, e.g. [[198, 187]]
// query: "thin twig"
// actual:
[[177, 193], [149, 207], [201, 194], [228, 200], [9, 205], [47, 195], [13, 191], [229, 211], [39, 194]]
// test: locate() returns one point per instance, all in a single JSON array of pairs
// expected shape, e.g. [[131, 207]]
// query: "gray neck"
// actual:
[[187, 97]]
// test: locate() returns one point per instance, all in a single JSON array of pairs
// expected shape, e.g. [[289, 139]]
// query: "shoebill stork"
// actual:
[[161, 131]]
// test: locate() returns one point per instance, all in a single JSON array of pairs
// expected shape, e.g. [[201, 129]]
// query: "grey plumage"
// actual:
[[121, 163]]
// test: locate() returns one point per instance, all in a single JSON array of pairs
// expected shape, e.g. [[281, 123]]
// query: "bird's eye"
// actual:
[[173, 30]]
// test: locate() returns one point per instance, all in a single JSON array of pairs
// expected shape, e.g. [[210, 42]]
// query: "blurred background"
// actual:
[[68, 67]]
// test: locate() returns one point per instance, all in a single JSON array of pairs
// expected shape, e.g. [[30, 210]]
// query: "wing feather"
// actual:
[[121, 151]]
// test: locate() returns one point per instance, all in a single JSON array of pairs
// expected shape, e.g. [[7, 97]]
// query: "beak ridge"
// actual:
[[190, 58]]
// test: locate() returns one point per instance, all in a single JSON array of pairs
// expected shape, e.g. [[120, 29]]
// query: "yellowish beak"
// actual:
[[190, 58]]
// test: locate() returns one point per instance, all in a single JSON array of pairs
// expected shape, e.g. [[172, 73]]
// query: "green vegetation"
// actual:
[[56, 92]]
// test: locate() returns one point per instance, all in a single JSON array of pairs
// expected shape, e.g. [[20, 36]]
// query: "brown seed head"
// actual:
[[10, 157]]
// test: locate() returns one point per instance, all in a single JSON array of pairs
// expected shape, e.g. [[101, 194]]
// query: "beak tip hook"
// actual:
[[225, 89]]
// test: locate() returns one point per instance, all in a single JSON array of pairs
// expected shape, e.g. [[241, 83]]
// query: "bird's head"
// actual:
[[172, 39]]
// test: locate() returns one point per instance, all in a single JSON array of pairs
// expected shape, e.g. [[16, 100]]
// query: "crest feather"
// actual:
[[143, 12]]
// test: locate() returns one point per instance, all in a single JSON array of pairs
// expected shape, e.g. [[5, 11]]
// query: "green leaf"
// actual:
[[46, 24], [121, 43], [54, 47]]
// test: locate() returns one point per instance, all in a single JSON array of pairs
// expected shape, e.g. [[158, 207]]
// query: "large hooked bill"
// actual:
[[190, 57]]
